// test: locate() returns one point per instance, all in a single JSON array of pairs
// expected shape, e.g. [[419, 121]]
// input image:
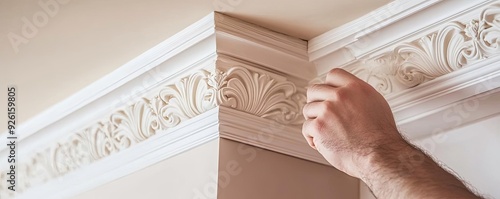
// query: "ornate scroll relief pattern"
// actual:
[[261, 95], [124, 128], [449, 49], [238, 88]]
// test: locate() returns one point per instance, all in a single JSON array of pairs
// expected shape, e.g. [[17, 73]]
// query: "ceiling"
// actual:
[[84, 40]]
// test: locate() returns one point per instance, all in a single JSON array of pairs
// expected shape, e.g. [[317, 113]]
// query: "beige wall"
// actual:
[[176, 178], [247, 172], [471, 151], [364, 192]]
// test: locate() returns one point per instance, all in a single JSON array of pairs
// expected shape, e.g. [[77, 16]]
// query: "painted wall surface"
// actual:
[[364, 191], [471, 151], [247, 172], [179, 177]]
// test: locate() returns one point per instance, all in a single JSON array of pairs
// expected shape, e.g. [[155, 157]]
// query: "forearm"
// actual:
[[352, 126], [399, 170]]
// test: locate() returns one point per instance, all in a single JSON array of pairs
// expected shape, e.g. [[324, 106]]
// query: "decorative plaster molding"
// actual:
[[421, 109], [260, 95], [174, 141], [433, 57], [383, 30], [351, 32], [455, 46], [267, 134], [216, 63], [237, 88], [251, 99]]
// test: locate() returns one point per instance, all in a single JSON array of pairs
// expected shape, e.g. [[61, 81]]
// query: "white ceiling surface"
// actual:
[[86, 39]]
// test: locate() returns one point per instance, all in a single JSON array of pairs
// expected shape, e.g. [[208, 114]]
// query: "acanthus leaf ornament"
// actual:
[[260, 95], [187, 98], [238, 88], [453, 47]]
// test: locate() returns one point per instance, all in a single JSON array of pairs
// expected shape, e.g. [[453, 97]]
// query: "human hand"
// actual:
[[346, 119]]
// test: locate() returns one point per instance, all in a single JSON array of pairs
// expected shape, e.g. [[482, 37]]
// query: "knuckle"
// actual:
[[311, 128], [335, 71], [318, 126], [326, 107], [340, 94], [358, 84], [313, 89]]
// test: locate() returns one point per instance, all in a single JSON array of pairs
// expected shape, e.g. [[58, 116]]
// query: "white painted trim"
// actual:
[[409, 27], [191, 134], [167, 49], [452, 116], [357, 41], [462, 84], [198, 72], [277, 52], [268, 134], [386, 15], [422, 110], [252, 57]]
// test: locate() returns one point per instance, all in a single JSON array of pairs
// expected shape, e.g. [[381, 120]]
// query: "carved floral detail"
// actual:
[[238, 88], [449, 49], [261, 95]]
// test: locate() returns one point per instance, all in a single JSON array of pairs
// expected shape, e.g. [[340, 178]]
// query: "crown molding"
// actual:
[[154, 67], [277, 53], [231, 85], [267, 134], [222, 77], [165, 144], [160, 102], [393, 26], [451, 116], [456, 45], [349, 33], [439, 54], [423, 110]]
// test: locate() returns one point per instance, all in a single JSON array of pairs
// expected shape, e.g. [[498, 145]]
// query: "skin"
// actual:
[[352, 126]]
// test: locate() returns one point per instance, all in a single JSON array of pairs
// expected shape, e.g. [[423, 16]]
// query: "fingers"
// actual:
[[305, 132], [338, 77], [319, 92], [314, 109]]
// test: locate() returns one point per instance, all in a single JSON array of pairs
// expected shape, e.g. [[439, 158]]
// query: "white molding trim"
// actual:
[[429, 108], [164, 145], [164, 91], [349, 33], [267, 134], [167, 49], [278, 53], [395, 27], [422, 59], [222, 77]]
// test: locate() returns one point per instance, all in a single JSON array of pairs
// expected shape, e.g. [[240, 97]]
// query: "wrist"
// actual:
[[384, 157]]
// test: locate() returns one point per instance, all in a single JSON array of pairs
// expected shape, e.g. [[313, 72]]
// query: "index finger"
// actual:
[[338, 77]]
